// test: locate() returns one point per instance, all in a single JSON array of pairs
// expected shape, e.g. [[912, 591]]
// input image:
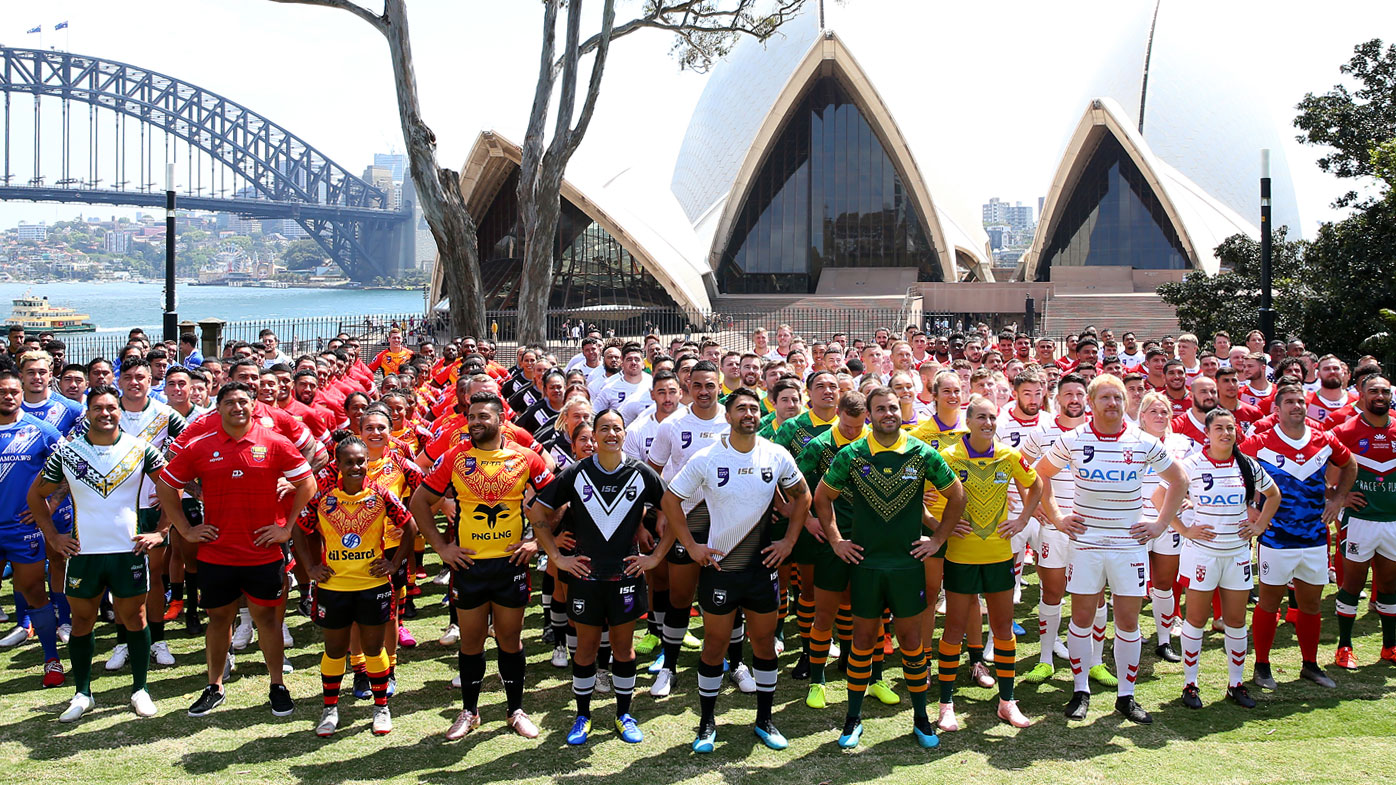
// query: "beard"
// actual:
[[1379, 408], [1331, 383]]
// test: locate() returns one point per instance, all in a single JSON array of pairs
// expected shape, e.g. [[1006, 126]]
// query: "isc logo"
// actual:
[[1219, 499]]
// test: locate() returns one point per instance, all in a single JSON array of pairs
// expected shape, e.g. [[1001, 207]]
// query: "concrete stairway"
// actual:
[[1143, 313]]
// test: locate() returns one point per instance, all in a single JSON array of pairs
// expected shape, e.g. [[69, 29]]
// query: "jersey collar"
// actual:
[[1298, 444], [899, 446], [839, 441], [942, 426], [814, 418], [1107, 436], [973, 453]]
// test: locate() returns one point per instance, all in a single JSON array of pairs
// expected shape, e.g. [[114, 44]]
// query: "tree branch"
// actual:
[[532, 143], [598, 66], [379, 22], [567, 104]]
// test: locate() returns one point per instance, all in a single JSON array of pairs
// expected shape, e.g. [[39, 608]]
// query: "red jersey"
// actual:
[[1180, 405], [1321, 408], [390, 361], [238, 479], [310, 418], [1194, 429], [1341, 416], [450, 437], [279, 420]]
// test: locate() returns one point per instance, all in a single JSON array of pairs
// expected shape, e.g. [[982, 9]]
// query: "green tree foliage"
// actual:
[[1352, 122], [1230, 300], [303, 254]]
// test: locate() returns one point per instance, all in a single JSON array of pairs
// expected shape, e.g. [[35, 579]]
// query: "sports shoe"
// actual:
[[1388, 653], [742, 677], [414, 590], [409, 609], [1040, 673], [1059, 651], [581, 728], [362, 688], [1018, 630], [455, 682], [286, 640], [801, 670], [382, 721], [404, 637], [1345, 658], [658, 664], [852, 733], [1191, 698], [816, 697], [464, 723], [834, 651], [160, 652], [329, 722], [603, 682], [548, 637], [1101, 675], [78, 706], [230, 666], [706, 739], [979, 672], [522, 725], [280, 699], [287, 668], [1078, 706], [1011, 714], [173, 610], [64, 632], [192, 626], [629, 729], [1262, 677], [442, 578], [419, 571], [947, 721], [4, 617], [53, 673], [305, 606], [449, 636], [647, 644], [1316, 676], [1241, 696], [1164, 651], [560, 656], [690, 641], [1130, 709], [768, 734], [779, 645], [242, 634], [940, 604], [663, 684], [17, 636], [118, 657], [210, 699], [925, 737], [883, 692], [141, 704], [392, 686]]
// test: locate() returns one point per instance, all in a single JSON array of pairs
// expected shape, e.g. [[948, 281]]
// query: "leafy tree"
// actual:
[[302, 254], [1353, 122], [1230, 300], [1350, 262]]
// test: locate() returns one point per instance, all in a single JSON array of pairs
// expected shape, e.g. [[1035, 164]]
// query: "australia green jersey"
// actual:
[[800, 430], [816, 459]]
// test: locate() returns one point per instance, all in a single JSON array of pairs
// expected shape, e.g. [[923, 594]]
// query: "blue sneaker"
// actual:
[[580, 729], [707, 738], [1018, 629], [658, 664], [767, 733], [851, 736], [362, 689], [926, 740], [629, 730], [392, 686]]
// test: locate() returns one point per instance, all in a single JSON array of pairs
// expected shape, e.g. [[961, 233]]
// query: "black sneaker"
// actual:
[[1263, 678], [1241, 696], [281, 703], [305, 606], [1078, 706], [1191, 698], [1165, 652], [362, 688], [548, 637], [1315, 674], [1132, 711], [409, 610], [192, 626], [801, 670], [210, 699]]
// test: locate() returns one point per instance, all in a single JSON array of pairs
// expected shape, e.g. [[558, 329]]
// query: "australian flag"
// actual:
[[61, 26], [37, 29]]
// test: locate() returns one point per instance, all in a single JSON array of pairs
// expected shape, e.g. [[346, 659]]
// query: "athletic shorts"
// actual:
[[125, 574], [1170, 543], [1369, 538], [754, 590], [805, 545], [873, 590], [335, 610], [22, 543], [830, 572], [698, 523], [63, 517], [148, 522], [1052, 546], [1126, 572], [223, 584], [496, 581], [1279, 566], [399, 577], [1206, 571], [1030, 533], [979, 578], [602, 603]]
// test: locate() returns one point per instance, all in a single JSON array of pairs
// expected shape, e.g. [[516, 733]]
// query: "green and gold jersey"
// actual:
[[885, 486], [800, 430], [939, 435], [814, 461], [986, 479]]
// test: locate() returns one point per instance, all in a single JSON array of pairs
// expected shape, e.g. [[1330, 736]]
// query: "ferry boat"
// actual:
[[35, 314]]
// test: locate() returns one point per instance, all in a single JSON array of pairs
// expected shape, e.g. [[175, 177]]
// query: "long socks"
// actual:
[[1127, 646], [81, 649], [1005, 658], [1049, 625], [511, 671], [331, 676], [472, 672], [1164, 606]]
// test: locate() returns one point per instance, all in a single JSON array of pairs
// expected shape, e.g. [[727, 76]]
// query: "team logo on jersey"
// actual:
[[719, 596], [631, 493], [1089, 452], [1207, 481], [587, 492], [1279, 461], [686, 437], [865, 470], [469, 466], [268, 422], [1015, 438], [370, 502], [350, 540], [805, 439], [490, 513], [723, 475], [80, 469], [258, 452], [329, 503], [1000, 478], [649, 442], [1128, 455], [1363, 445], [964, 475], [766, 474]]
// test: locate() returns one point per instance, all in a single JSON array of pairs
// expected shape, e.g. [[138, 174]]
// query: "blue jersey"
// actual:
[[1297, 467], [57, 411], [24, 446]]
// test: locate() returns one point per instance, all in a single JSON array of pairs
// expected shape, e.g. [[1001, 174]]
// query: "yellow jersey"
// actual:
[[939, 435], [353, 529], [399, 476], [490, 487], [986, 479]]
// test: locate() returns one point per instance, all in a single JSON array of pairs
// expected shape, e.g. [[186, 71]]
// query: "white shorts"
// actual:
[[1279, 566], [1206, 571], [1170, 543], [1020, 540], [1369, 538], [1052, 546], [1126, 572]]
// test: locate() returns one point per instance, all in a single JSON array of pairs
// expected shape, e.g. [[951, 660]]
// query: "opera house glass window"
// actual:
[[827, 195], [1114, 218], [590, 267]]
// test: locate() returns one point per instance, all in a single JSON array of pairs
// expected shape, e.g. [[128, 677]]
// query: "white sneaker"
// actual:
[[442, 578], [4, 617], [780, 647], [287, 667], [160, 652], [742, 677], [141, 703], [560, 657], [1059, 650], [450, 636], [287, 642], [329, 722], [1017, 594], [243, 634], [17, 636], [78, 706], [382, 721], [603, 682], [940, 604], [834, 651], [65, 631], [663, 684], [455, 682], [118, 657]]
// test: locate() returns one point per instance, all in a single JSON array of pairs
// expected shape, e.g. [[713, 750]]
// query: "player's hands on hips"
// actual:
[[1146, 530], [1355, 500], [322, 572], [204, 532], [926, 547], [705, 556], [776, 553], [815, 528], [68, 546], [144, 542], [1200, 533], [457, 556], [566, 541], [848, 551], [271, 535], [379, 567], [639, 565], [1012, 526], [1333, 510], [522, 551], [1072, 524], [962, 529], [283, 488], [579, 566], [1254, 527]]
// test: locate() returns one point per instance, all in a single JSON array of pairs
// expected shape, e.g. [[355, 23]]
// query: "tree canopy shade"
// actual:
[[1353, 122]]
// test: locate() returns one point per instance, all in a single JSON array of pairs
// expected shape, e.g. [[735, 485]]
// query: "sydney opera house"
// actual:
[[810, 169]]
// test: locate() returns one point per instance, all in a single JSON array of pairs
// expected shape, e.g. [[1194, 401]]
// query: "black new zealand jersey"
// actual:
[[604, 510]]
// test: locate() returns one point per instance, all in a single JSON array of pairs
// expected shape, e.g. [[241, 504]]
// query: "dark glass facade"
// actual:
[[1113, 218], [590, 266], [827, 195]]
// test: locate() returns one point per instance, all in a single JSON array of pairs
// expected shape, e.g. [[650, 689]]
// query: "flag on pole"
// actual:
[[38, 29], [60, 26]]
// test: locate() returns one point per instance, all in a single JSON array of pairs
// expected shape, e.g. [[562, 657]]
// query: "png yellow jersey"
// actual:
[[353, 529], [986, 478], [399, 476]]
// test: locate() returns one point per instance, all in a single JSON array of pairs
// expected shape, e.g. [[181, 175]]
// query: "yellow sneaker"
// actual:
[[815, 698], [883, 692]]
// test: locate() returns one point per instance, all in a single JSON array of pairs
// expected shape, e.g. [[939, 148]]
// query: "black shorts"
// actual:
[[754, 590], [495, 581], [399, 576], [598, 603], [223, 584], [698, 523], [335, 610]]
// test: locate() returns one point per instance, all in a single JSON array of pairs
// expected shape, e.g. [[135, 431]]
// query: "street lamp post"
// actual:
[[171, 318], [1267, 313]]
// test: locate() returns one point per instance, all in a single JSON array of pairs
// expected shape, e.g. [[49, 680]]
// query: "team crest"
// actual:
[[631, 493], [1363, 445], [723, 475], [1128, 456], [1279, 461], [587, 492], [329, 503], [470, 465], [267, 421], [1000, 478], [1207, 481], [1201, 572], [1089, 452], [719, 596], [687, 438], [865, 470], [579, 606], [766, 474], [370, 502], [805, 439], [258, 452]]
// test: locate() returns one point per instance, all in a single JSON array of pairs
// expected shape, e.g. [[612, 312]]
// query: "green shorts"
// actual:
[[978, 578], [805, 544], [148, 521], [830, 572], [125, 574], [872, 590]]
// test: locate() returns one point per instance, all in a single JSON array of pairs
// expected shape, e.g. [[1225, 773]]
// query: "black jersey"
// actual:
[[604, 510], [536, 416], [524, 397]]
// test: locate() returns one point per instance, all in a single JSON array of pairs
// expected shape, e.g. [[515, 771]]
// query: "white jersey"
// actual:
[[106, 485], [678, 438], [1013, 432], [597, 379], [1178, 446], [633, 409], [157, 425], [1131, 359], [1218, 494], [739, 489], [639, 434], [1036, 443], [1108, 472], [617, 391], [1252, 396]]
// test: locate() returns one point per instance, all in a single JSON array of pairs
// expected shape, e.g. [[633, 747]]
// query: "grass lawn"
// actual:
[[1299, 734]]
